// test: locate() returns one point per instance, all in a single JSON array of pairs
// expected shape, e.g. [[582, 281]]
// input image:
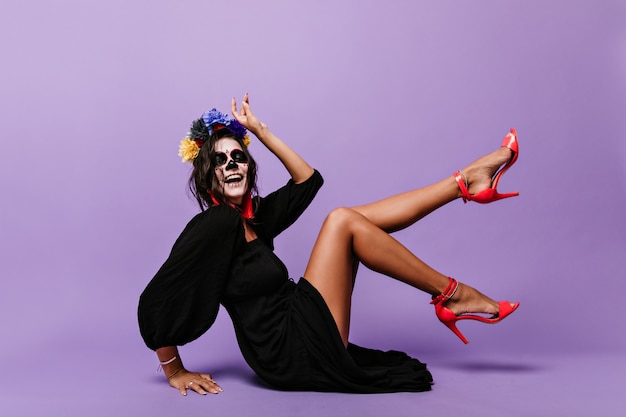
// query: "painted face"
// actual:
[[231, 169]]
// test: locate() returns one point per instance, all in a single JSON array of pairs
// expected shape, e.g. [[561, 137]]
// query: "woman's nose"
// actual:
[[231, 165]]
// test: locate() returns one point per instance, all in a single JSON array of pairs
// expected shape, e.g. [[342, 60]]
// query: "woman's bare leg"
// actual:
[[402, 210], [360, 234], [347, 235]]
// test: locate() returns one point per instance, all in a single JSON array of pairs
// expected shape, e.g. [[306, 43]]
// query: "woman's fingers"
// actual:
[[246, 102], [197, 387], [202, 384], [233, 106], [213, 386], [245, 105], [194, 381]]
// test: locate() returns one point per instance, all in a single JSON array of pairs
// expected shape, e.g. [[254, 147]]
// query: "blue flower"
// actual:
[[214, 117]]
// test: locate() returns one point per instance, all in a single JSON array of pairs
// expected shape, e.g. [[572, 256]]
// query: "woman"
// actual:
[[295, 336]]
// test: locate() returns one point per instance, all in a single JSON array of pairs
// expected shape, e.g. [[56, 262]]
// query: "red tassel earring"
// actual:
[[215, 202], [247, 211]]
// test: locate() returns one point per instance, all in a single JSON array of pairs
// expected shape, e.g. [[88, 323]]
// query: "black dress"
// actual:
[[285, 331]]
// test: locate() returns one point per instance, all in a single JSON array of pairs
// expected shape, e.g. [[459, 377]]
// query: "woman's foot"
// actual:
[[478, 175], [479, 181], [469, 300]]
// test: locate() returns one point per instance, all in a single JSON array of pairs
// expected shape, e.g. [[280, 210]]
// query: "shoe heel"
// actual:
[[452, 326], [507, 195]]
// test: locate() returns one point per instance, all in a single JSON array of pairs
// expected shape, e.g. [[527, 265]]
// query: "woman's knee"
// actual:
[[343, 217]]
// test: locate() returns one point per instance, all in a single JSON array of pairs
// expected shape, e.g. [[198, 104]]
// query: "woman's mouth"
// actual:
[[233, 180]]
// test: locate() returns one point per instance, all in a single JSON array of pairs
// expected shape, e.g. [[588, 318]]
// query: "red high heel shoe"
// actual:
[[447, 317], [491, 194]]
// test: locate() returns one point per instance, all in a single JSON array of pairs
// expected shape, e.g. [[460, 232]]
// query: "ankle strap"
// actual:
[[448, 293], [461, 181]]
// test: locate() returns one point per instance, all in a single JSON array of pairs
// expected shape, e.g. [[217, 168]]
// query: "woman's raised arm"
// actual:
[[298, 168]]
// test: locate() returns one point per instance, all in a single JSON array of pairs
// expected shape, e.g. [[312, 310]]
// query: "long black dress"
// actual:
[[285, 330]]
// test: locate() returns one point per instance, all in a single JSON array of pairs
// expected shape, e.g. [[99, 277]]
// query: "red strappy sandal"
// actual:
[[447, 317], [491, 194]]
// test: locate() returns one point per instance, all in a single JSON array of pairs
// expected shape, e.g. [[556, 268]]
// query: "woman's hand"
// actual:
[[184, 380], [246, 117]]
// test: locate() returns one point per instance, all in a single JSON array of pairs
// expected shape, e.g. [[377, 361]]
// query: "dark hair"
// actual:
[[203, 178]]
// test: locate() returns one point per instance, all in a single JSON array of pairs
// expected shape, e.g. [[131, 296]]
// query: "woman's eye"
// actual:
[[219, 159], [239, 156]]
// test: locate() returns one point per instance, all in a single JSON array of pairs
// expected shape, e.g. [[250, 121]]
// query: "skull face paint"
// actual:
[[231, 169]]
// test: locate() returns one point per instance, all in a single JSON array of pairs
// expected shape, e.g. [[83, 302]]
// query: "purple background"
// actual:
[[381, 97]]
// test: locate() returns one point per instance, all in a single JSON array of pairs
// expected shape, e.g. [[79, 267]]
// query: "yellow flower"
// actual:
[[246, 140], [188, 150]]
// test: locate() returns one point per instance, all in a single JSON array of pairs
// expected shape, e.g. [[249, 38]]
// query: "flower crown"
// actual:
[[202, 129]]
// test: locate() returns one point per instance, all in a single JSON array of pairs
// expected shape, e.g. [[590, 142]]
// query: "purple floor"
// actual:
[[104, 383], [97, 367]]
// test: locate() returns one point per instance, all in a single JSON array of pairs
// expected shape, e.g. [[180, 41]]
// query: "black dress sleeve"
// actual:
[[280, 209], [182, 300]]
